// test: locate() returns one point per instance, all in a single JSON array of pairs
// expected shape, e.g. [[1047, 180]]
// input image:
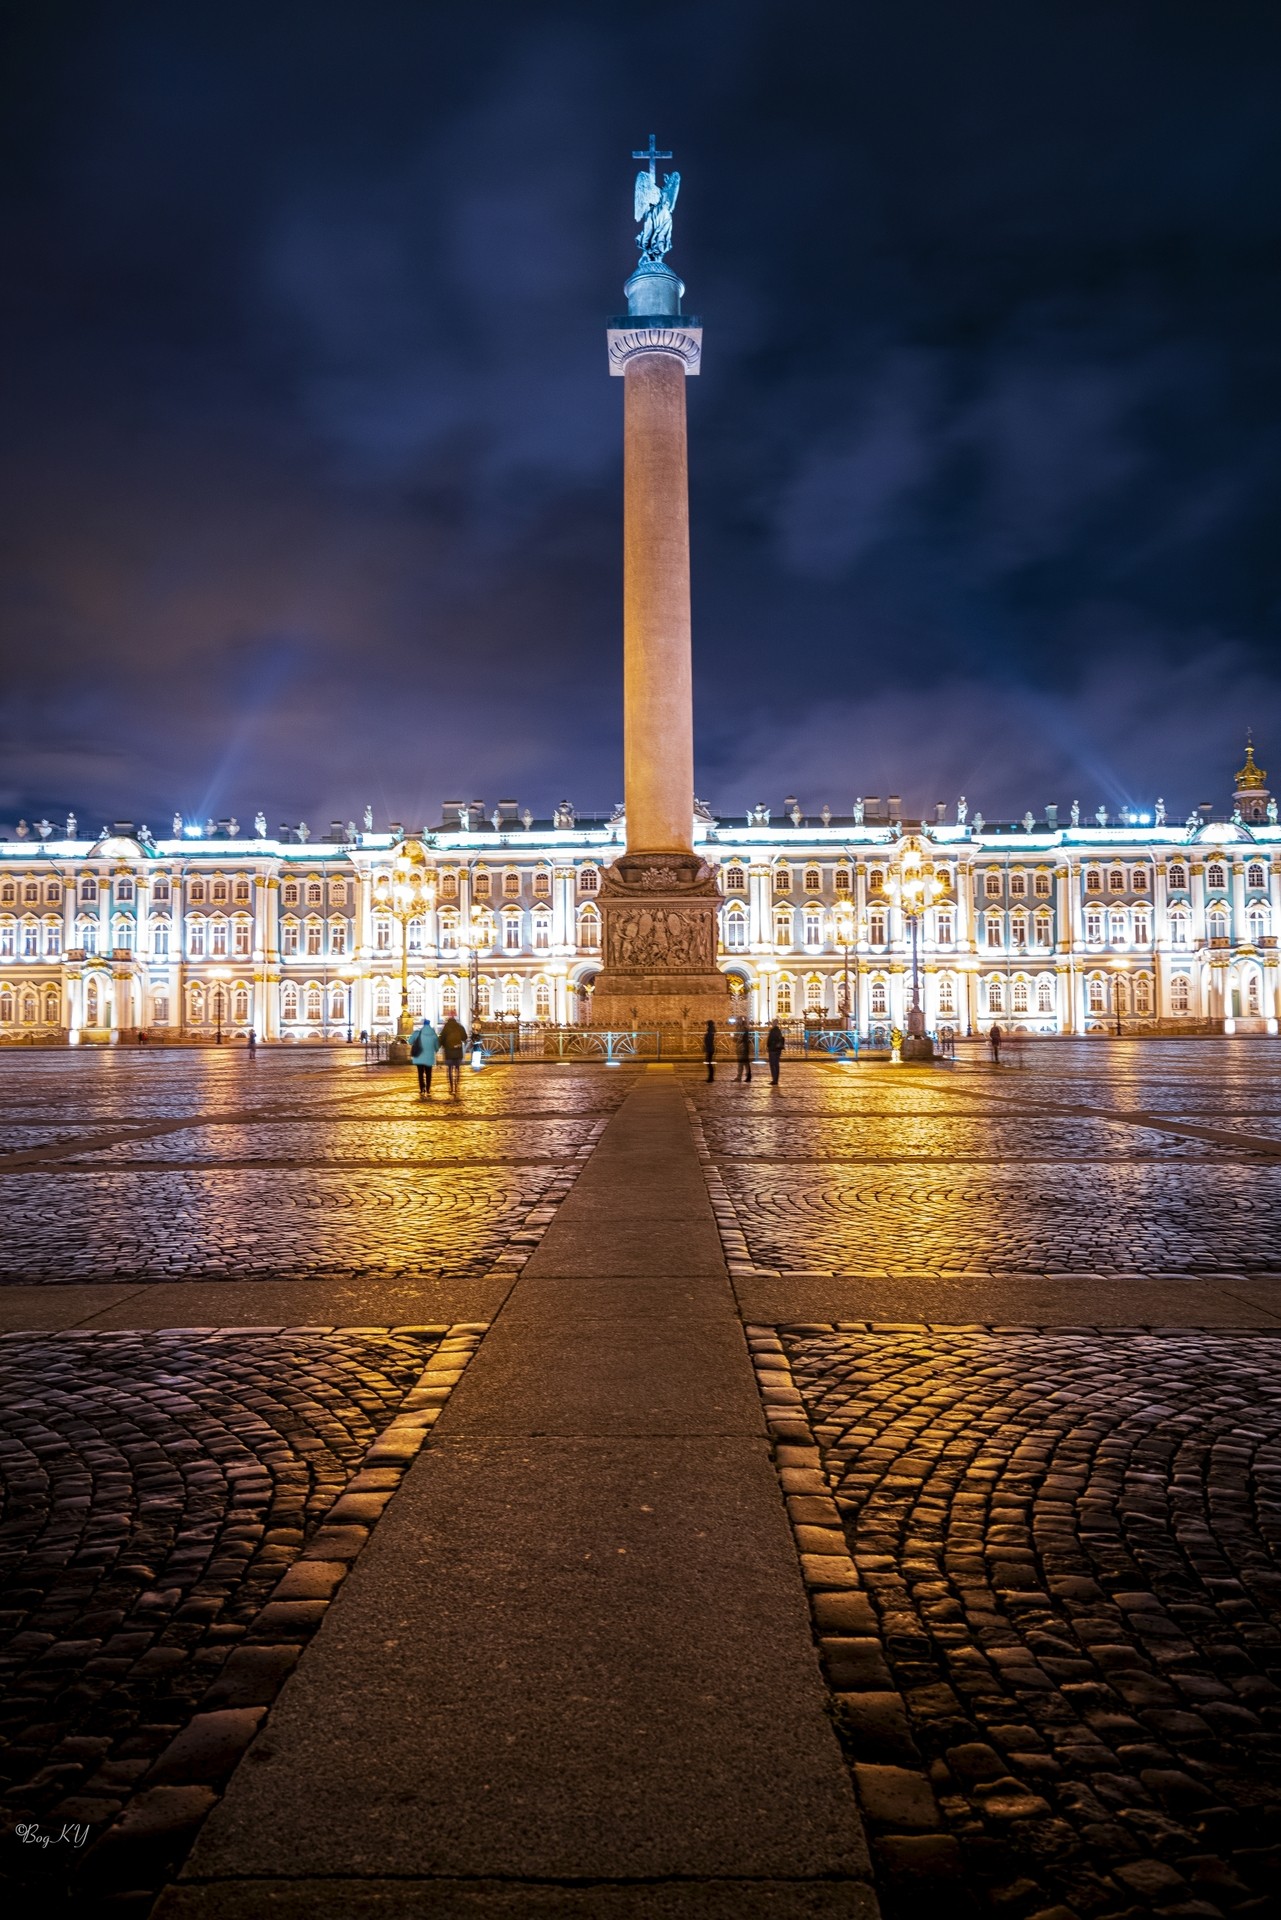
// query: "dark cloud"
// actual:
[[311, 475]]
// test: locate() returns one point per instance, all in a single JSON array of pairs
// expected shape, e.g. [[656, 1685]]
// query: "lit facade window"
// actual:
[[542, 999], [1044, 884], [1019, 996], [1178, 877], [589, 930], [1096, 993], [1094, 927], [783, 996], [1093, 881], [511, 883], [813, 927], [992, 922], [1216, 877], [289, 937], [992, 884], [813, 880], [1142, 927], [1255, 876], [1045, 995], [242, 940], [947, 995], [542, 933], [782, 879], [1139, 881], [382, 936], [1116, 881], [196, 939], [944, 927], [511, 933], [589, 880], [218, 939], [315, 894], [338, 935], [1044, 929], [879, 1000], [783, 927], [878, 927], [735, 879], [995, 999], [1018, 886], [843, 880]]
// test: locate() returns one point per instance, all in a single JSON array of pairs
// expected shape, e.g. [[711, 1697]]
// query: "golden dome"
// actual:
[[1250, 776]]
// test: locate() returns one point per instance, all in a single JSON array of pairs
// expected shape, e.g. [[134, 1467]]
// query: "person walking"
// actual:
[[422, 1051], [743, 1052], [994, 1040], [251, 1041], [452, 1041], [774, 1044], [709, 1048]]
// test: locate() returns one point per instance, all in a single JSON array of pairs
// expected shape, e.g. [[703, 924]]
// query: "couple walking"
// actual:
[[774, 1044], [426, 1044]]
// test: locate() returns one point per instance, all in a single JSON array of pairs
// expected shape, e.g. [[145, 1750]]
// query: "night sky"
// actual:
[[312, 466]]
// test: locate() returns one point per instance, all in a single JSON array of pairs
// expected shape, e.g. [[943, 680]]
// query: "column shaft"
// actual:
[[658, 691]]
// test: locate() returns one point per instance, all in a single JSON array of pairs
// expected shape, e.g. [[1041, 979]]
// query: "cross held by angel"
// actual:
[[654, 204]]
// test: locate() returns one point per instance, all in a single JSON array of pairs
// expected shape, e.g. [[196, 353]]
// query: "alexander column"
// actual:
[[659, 901]]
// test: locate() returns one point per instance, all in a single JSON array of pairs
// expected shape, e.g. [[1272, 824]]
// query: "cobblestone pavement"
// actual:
[[1044, 1168], [156, 1488], [196, 1165], [1044, 1575]]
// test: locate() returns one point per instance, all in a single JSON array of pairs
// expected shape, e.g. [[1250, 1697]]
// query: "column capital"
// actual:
[[629, 339]]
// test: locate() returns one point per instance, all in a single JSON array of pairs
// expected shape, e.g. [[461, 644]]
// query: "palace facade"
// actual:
[[1047, 926]]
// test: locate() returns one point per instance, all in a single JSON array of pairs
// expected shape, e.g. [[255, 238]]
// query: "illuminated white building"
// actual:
[[1046, 926]]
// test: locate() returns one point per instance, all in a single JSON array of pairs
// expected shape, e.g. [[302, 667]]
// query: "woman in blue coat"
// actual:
[[423, 1049]]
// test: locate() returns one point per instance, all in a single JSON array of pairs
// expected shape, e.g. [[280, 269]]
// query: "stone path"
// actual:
[[402, 1471]]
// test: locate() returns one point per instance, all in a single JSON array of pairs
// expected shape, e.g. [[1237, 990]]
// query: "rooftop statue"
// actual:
[[654, 205]]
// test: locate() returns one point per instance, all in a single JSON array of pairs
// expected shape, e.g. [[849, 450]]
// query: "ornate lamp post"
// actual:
[[915, 890], [845, 930], [349, 981], [219, 975], [409, 893]]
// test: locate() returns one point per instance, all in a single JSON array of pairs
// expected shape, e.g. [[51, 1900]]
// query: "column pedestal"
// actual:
[[659, 938]]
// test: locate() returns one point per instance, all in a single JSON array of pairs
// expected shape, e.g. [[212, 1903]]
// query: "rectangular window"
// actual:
[[196, 940], [1018, 887], [30, 943], [482, 883], [1094, 926], [6, 943], [338, 935], [242, 940], [1140, 879], [783, 880], [160, 939], [813, 929], [992, 885], [1043, 884], [876, 922], [783, 929], [218, 940], [511, 934], [542, 885], [944, 927], [1142, 929], [289, 937], [53, 941], [542, 934], [313, 940], [1044, 930]]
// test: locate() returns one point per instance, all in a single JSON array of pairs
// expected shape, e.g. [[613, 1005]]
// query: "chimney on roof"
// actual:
[[895, 802], [940, 810], [872, 807], [507, 810]]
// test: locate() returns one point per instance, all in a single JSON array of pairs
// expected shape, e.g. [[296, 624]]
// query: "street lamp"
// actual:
[[348, 976], [915, 890], [845, 938], [407, 894], [219, 975]]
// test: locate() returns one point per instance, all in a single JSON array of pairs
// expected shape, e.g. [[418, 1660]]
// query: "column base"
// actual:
[[659, 925]]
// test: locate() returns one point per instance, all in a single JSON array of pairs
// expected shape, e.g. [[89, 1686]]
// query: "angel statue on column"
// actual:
[[654, 211]]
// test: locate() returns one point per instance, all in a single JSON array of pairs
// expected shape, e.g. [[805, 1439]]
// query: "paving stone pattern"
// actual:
[[178, 1508], [1056, 1658]]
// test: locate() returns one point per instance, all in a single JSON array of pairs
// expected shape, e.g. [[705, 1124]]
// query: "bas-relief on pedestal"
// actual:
[[659, 923]]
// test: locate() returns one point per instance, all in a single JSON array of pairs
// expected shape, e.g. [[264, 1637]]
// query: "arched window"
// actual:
[[542, 884], [289, 1001], [124, 893], [382, 1000], [195, 1006], [483, 999], [735, 879], [947, 994], [242, 893], [511, 994], [783, 880], [449, 884], [1179, 929], [814, 992], [589, 880], [1139, 881], [51, 1006], [1097, 993], [6, 1006], [995, 997], [91, 1003], [589, 929], [1252, 1000], [879, 1000], [1178, 876], [813, 880], [315, 893], [160, 1010], [1255, 876], [289, 893], [511, 882], [542, 999], [842, 880], [480, 883], [783, 996], [1258, 918], [1093, 881], [315, 1011], [1216, 876], [416, 996], [1217, 924], [1044, 884], [1019, 1002], [992, 884], [28, 1009], [9, 894], [1143, 993], [1116, 881], [1018, 886], [240, 1006], [219, 890], [1045, 994], [735, 922], [88, 888], [53, 894]]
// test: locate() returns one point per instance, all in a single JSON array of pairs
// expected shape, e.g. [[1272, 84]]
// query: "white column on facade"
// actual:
[[1240, 925]]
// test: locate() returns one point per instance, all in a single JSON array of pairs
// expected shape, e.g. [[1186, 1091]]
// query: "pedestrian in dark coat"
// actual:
[[743, 1052], [774, 1044], [453, 1044], [709, 1048], [423, 1050], [994, 1040]]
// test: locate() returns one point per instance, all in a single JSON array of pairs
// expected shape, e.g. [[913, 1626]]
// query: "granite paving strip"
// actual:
[[1044, 1580], [573, 1671], [179, 1509]]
